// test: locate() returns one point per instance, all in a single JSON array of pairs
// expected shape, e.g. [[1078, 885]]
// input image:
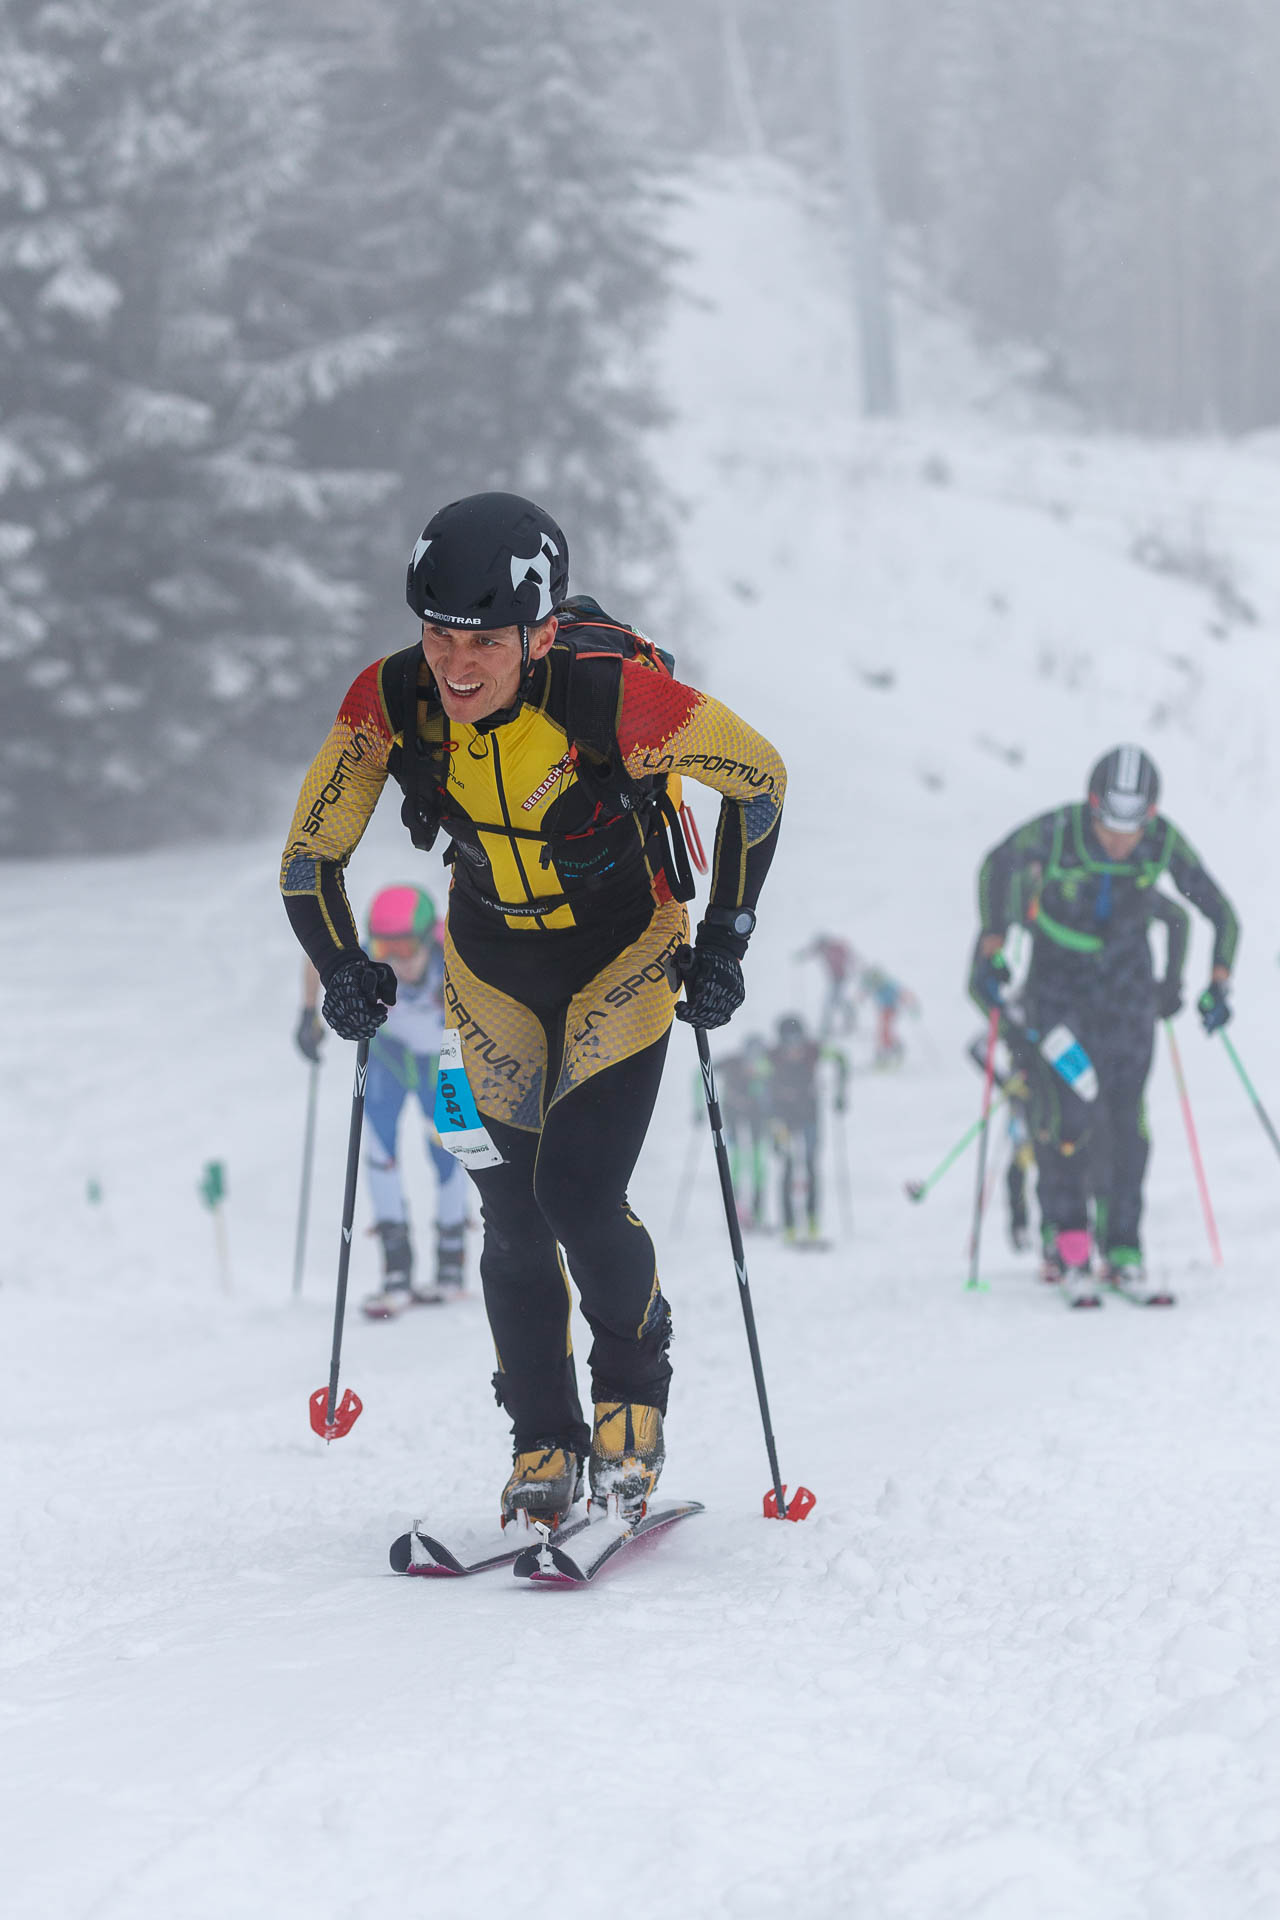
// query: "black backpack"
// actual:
[[598, 645]]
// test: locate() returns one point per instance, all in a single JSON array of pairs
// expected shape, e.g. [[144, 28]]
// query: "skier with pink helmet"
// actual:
[[403, 1058]]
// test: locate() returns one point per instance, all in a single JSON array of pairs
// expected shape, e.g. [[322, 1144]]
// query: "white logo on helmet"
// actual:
[[536, 571], [435, 614]]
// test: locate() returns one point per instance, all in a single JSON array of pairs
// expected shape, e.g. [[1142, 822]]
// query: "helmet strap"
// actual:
[[524, 648]]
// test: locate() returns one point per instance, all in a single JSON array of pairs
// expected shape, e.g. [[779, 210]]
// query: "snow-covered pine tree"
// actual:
[[172, 577], [499, 209]]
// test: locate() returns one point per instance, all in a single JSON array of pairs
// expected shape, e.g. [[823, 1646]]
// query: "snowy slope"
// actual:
[[1023, 1662]]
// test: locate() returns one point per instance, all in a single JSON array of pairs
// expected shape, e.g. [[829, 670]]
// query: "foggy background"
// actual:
[[278, 280], [906, 367]]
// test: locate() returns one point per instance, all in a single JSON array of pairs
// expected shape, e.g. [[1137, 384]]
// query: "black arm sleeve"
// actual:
[[1177, 926], [1195, 884], [318, 917], [740, 864]]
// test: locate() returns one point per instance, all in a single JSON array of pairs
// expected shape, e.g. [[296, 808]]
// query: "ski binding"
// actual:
[[420, 1552], [553, 1563]]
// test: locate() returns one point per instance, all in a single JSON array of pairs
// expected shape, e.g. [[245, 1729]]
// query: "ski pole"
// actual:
[[979, 1192], [330, 1418], [775, 1506], [1194, 1144], [304, 1197], [917, 1189], [775, 1501], [1258, 1107]]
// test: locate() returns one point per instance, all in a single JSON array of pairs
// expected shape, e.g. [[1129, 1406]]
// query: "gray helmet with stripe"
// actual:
[[1124, 790]]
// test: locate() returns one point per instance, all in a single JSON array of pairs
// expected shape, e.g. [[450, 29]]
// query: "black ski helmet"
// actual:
[[1124, 790], [790, 1029], [489, 560]]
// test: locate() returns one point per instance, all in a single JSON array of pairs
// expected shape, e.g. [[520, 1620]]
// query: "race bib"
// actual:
[[1067, 1057], [462, 1132]]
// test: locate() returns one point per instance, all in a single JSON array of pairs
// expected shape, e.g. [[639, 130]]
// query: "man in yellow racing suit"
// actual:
[[545, 742]]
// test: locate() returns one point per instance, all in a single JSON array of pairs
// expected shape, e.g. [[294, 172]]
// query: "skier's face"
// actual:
[[1117, 846], [407, 958], [412, 969], [478, 671]]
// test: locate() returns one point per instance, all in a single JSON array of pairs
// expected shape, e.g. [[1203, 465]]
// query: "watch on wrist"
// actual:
[[739, 921]]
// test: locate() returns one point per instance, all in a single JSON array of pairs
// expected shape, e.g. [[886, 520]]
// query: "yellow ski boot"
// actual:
[[543, 1486], [626, 1456]]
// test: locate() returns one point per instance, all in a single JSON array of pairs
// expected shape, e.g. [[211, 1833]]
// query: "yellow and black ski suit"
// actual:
[[558, 815]]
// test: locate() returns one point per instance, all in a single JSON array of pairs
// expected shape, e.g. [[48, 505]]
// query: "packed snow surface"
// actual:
[[1023, 1661]]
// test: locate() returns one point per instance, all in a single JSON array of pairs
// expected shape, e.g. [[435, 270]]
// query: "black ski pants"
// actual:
[[568, 1185], [798, 1152], [564, 1045], [1101, 1146]]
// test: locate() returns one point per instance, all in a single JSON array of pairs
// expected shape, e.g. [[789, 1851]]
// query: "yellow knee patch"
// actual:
[[629, 1004]]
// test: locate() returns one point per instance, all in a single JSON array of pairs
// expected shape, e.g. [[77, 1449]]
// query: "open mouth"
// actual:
[[462, 690]]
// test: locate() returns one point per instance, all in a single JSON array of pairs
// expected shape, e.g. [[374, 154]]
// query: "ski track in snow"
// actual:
[[1021, 1663]]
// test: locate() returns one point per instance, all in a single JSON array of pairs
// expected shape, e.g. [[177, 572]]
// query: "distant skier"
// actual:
[[547, 743], [890, 998], [403, 1058], [840, 965], [795, 1110], [743, 1082], [1082, 878], [1013, 1084]]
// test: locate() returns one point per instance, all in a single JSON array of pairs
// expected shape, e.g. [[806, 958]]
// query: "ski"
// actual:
[[419, 1552], [601, 1541], [1143, 1293]]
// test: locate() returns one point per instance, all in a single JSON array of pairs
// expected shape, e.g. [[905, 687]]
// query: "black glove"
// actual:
[[713, 985], [1212, 1006], [1168, 999], [310, 1033], [990, 977], [358, 995]]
